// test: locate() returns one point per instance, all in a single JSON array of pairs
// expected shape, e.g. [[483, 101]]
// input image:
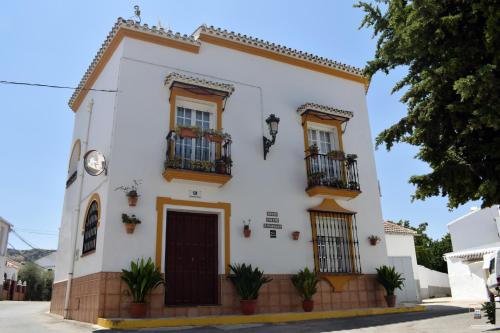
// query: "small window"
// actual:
[[73, 163], [492, 266], [90, 228]]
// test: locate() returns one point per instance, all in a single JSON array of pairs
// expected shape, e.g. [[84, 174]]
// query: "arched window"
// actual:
[[73, 163], [90, 225]]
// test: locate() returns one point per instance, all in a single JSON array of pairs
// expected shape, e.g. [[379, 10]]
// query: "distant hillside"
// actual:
[[27, 255]]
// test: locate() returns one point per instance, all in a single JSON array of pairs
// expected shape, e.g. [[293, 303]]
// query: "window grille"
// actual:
[[90, 230], [336, 242]]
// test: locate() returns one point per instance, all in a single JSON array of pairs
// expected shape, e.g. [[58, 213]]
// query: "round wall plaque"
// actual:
[[94, 162]]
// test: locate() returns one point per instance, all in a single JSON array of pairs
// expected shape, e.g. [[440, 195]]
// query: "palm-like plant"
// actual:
[[142, 277], [247, 280], [306, 283], [389, 279]]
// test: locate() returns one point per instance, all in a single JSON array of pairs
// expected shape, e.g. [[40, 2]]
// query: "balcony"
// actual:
[[201, 157], [332, 175]]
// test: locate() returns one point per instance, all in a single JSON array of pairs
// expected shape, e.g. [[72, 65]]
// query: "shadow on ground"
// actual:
[[317, 326]]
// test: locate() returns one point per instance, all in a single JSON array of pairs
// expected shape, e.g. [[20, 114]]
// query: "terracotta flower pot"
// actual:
[[391, 300], [308, 305], [132, 200], [295, 235], [247, 232], [373, 241], [130, 228], [137, 310], [187, 133], [248, 306]]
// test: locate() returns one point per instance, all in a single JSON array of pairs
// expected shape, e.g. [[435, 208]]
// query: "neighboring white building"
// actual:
[[47, 262], [420, 282], [200, 190], [473, 235], [4, 239]]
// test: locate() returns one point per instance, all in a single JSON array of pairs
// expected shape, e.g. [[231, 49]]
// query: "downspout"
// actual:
[[78, 211]]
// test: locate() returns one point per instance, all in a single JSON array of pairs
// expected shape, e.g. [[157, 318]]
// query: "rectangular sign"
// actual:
[[272, 233], [272, 214], [273, 219], [272, 226]]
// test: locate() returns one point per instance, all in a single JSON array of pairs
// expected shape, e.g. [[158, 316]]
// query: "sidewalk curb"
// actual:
[[126, 323]]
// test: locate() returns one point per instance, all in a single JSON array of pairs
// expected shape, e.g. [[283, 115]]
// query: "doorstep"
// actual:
[[127, 323]]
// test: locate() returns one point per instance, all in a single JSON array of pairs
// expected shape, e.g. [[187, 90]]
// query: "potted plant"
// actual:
[[306, 283], [295, 235], [315, 178], [222, 164], [247, 282], [313, 151], [246, 228], [390, 280], [174, 163], [336, 155], [130, 222], [131, 192], [187, 131], [374, 239], [141, 279]]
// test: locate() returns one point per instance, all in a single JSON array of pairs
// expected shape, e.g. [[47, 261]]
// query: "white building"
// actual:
[[215, 79], [4, 239], [420, 282], [47, 262], [473, 235]]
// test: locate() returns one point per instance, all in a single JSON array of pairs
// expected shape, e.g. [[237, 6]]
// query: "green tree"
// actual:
[[452, 51], [32, 275], [429, 252], [38, 282]]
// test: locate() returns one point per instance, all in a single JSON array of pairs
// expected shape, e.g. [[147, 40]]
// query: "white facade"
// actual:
[[47, 262], [129, 128], [420, 282], [4, 239], [472, 235]]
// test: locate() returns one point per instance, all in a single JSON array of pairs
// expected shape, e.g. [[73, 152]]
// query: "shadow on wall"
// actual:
[[328, 325]]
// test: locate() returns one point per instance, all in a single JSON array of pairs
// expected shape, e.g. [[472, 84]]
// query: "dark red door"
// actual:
[[191, 259]]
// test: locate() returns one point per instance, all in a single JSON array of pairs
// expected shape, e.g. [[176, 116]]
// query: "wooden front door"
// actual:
[[191, 259]]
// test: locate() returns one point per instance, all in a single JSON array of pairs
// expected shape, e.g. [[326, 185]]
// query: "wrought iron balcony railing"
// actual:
[[208, 153], [334, 170]]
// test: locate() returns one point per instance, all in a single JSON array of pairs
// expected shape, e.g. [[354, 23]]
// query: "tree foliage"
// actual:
[[429, 251], [38, 282], [452, 51]]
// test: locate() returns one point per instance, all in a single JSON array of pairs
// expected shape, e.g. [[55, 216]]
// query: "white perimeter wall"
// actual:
[[475, 229], [278, 184], [467, 280], [402, 246], [432, 283]]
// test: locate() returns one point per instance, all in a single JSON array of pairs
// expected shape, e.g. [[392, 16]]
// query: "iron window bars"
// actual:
[[335, 239], [90, 229], [332, 171]]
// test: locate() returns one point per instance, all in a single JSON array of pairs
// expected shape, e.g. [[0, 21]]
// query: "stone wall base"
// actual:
[[105, 295]]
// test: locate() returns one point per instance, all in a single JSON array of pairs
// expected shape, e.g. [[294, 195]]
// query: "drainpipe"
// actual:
[[78, 210]]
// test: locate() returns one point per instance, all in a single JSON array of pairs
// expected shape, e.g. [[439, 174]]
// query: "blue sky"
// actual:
[[54, 42]]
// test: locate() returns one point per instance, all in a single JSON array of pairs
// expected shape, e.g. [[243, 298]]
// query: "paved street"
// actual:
[[28, 317]]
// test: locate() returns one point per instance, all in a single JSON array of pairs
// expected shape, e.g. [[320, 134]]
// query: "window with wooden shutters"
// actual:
[[90, 229]]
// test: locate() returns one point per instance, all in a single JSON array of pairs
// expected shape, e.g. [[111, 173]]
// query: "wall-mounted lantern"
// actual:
[[272, 122]]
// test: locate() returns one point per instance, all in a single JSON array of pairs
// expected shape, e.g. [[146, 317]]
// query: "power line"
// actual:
[[36, 232], [52, 86]]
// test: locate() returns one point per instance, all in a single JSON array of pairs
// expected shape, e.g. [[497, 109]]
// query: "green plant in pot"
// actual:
[[390, 280], [130, 222], [306, 284], [247, 282], [141, 279]]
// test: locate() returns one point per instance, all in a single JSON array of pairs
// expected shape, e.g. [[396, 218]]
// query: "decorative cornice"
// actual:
[[324, 109], [276, 48], [122, 24], [176, 77]]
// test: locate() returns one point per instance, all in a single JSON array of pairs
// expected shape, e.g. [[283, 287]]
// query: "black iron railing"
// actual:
[[203, 154], [332, 170], [335, 237]]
